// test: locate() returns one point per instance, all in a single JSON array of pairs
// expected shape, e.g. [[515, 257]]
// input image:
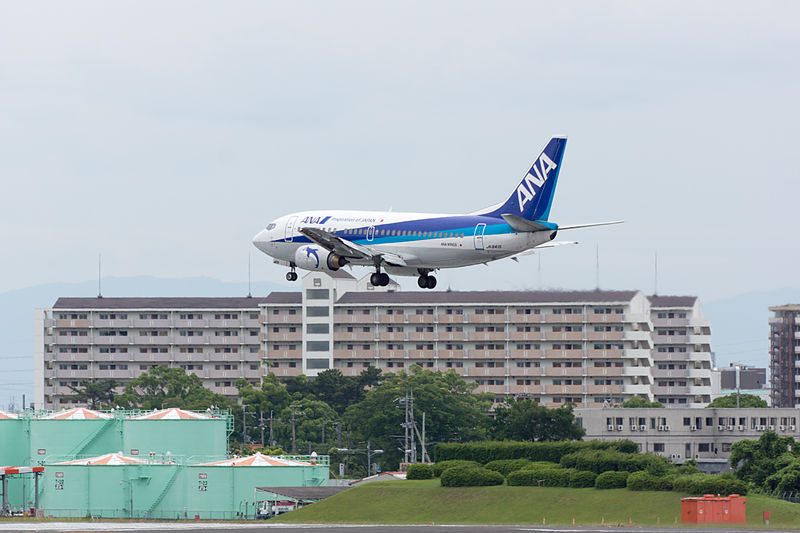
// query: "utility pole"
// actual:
[[339, 434], [323, 432], [271, 434], [261, 425], [245, 412], [293, 420]]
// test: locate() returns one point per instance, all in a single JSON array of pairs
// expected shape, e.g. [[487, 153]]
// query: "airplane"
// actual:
[[419, 244]]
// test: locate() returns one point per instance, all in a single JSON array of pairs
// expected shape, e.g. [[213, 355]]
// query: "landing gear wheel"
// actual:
[[384, 279], [291, 276], [422, 281], [431, 282], [375, 279]]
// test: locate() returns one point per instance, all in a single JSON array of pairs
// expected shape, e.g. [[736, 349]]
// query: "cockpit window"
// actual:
[[271, 226]]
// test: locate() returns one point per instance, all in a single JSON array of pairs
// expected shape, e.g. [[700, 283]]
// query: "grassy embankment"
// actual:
[[422, 502]]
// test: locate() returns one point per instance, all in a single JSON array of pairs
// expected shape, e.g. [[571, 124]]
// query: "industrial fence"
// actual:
[[789, 496], [178, 514]]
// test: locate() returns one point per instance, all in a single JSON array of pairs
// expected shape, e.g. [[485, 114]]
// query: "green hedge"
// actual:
[[611, 480], [485, 452], [723, 484], [599, 461], [419, 471], [644, 480], [582, 479], [546, 477], [506, 466], [441, 466], [465, 476]]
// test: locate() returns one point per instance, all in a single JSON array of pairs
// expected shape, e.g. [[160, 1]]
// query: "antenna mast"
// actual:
[[249, 291], [99, 275], [655, 281], [597, 267]]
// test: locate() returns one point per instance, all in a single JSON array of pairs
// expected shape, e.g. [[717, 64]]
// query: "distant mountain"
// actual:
[[740, 327], [17, 307]]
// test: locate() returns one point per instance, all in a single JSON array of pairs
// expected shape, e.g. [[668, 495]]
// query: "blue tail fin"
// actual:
[[533, 196]]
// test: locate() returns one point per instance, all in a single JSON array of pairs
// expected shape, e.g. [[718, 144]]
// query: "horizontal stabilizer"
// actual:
[[516, 257], [591, 224], [518, 223]]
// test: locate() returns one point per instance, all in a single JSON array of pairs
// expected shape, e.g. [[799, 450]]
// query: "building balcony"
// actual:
[[564, 354], [486, 336], [563, 389], [115, 323], [670, 391], [152, 357], [604, 371], [391, 319], [494, 389], [486, 318], [451, 319], [612, 353], [353, 354], [675, 373], [452, 354], [701, 373], [636, 353], [224, 374], [637, 371], [604, 389], [421, 319], [421, 354], [391, 354], [357, 318], [563, 371], [670, 339], [563, 335], [78, 374], [359, 336], [72, 323], [514, 370], [670, 322], [525, 354], [486, 371], [188, 357], [422, 336], [282, 354], [603, 335], [351, 370], [553, 318], [194, 340], [638, 336], [638, 389], [115, 374], [525, 389], [613, 318], [534, 336], [392, 336], [284, 318], [522, 318], [452, 336], [486, 354]]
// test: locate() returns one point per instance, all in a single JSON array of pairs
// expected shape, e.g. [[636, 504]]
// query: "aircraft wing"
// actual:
[[349, 249]]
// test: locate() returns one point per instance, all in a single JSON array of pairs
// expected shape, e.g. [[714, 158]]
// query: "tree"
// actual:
[[756, 460], [745, 400], [453, 412], [527, 420], [96, 393], [163, 387], [637, 402]]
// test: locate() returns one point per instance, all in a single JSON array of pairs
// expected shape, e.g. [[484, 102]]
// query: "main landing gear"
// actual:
[[379, 279], [291, 275], [425, 280]]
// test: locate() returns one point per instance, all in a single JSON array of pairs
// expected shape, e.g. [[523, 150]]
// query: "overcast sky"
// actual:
[[164, 135]]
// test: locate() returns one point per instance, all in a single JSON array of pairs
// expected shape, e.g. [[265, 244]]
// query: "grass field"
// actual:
[[423, 502]]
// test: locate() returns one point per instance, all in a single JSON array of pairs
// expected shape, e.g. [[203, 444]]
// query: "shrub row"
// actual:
[[440, 467], [599, 461], [611, 480], [419, 471], [644, 480], [485, 452], [723, 484], [465, 476], [506, 466], [551, 477]]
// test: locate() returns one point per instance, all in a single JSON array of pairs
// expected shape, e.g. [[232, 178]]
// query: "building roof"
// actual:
[[672, 301], [787, 307], [5, 415], [158, 303], [79, 413], [107, 459], [257, 459], [485, 297], [284, 298], [173, 413]]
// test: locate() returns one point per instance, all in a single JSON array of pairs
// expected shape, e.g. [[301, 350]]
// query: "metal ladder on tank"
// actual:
[[164, 491], [91, 437]]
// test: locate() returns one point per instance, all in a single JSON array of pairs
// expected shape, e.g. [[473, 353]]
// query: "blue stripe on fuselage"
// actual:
[[454, 224]]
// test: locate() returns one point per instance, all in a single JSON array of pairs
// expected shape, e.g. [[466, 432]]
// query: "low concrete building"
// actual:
[[705, 435]]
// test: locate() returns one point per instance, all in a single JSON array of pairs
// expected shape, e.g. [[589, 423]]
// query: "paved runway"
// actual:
[[222, 527]]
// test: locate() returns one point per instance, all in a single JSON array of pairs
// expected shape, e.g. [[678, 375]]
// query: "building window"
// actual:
[[317, 311], [658, 447], [317, 294], [317, 346]]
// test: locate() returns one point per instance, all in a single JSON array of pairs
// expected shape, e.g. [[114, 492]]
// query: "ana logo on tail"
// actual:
[[532, 182]]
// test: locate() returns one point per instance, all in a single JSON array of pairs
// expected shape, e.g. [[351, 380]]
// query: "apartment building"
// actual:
[[784, 355], [705, 435], [218, 339], [589, 348], [682, 350]]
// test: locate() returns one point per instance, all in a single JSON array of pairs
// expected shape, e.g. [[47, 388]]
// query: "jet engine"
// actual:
[[313, 257]]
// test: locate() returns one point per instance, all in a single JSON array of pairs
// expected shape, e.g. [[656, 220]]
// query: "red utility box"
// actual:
[[712, 509]]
